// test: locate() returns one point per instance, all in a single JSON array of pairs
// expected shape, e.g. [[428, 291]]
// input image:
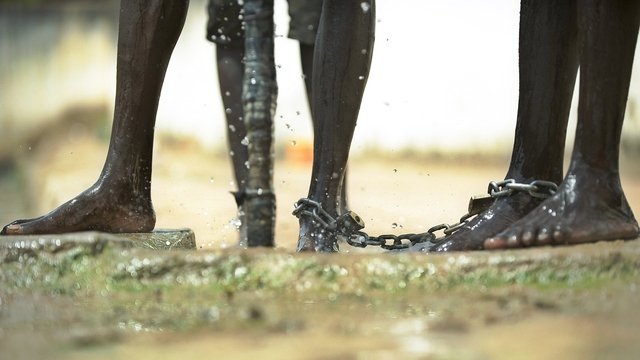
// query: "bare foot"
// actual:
[[100, 208], [314, 238], [504, 212], [589, 206]]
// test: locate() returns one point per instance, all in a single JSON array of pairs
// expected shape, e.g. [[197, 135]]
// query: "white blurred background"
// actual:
[[443, 88], [444, 75]]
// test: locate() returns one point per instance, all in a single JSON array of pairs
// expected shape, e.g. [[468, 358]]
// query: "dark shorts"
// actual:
[[225, 25]]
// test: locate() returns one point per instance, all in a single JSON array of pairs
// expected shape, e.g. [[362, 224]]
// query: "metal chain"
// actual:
[[349, 224], [537, 188]]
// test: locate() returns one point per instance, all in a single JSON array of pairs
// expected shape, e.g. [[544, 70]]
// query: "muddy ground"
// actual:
[[106, 298]]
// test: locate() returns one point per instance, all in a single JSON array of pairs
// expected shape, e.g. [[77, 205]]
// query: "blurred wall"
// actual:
[[52, 58], [444, 76]]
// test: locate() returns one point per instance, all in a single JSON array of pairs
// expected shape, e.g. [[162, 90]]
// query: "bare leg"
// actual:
[[120, 201], [341, 67], [230, 76], [590, 204], [548, 68], [306, 57], [230, 72]]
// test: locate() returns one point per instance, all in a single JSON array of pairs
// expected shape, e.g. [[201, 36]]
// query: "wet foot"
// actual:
[[503, 213], [96, 209], [588, 207], [314, 238]]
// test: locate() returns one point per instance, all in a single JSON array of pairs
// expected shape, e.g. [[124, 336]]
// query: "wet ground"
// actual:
[[108, 298], [104, 299]]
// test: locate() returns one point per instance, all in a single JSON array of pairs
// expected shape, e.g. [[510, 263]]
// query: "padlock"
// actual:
[[480, 203], [349, 223]]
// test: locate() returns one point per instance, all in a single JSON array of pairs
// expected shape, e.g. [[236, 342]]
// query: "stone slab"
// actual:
[[159, 239]]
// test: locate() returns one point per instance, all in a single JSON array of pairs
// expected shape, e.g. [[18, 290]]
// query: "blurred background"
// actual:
[[435, 126]]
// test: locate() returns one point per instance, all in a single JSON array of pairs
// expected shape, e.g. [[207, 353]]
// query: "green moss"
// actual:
[[135, 289]]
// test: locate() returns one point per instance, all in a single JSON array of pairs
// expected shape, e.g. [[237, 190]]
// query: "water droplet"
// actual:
[[246, 163], [168, 243], [232, 128], [231, 183], [253, 81], [245, 141], [259, 191], [297, 112], [360, 77], [228, 110], [365, 7], [395, 170], [227, 93], [364, 51], [394, 225], [294, 143], [235, 223]]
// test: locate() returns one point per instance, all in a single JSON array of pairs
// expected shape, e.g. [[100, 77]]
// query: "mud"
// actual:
[[109, 298], [80, 300]]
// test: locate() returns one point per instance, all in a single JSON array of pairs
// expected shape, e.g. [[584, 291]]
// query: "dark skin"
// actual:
[[339, 78], [590, 204], [230, 73], [120, 201], [556, 37]]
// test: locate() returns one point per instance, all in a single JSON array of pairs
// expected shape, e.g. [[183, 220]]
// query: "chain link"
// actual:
[[349, 224], [537, 188]]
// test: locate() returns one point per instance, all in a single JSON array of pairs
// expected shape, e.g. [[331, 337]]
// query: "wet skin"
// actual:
[[590, 204], [230, 74], [341, 66], [120, 201]]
